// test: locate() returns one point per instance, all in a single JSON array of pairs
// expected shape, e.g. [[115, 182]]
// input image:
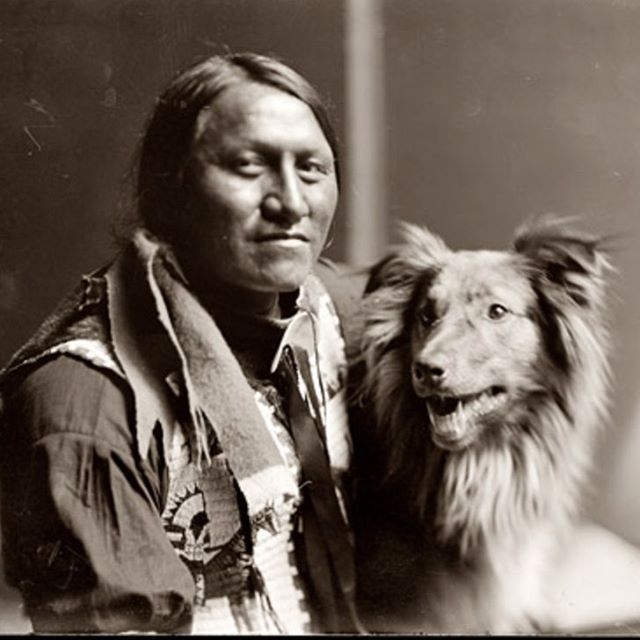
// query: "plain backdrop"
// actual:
[[494, 111], [505, 109]]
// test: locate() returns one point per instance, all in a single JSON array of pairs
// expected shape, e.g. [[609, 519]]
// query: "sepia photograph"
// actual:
[[320, 317]]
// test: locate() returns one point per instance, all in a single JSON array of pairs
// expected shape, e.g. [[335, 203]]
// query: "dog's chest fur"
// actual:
[[412, 578], [498, 588]]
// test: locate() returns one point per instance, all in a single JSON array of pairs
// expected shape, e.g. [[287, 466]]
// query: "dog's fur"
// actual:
[[471, 508]]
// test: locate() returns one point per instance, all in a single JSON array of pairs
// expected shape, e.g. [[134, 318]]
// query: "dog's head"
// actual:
[[484, 336]]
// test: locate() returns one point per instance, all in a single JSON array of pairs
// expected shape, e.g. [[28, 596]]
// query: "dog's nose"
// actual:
[[426, 372]]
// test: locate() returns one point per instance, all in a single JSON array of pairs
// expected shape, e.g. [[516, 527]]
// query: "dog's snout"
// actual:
[[428, 373]]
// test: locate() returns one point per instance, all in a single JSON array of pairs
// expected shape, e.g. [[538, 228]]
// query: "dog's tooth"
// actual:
[[460, 418], [465, 412], [432, 414]]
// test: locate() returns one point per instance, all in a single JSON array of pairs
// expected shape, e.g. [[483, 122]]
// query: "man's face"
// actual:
[[264, 191]]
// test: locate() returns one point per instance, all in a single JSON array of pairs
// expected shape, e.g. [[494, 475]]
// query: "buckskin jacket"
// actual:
[[149, 482]]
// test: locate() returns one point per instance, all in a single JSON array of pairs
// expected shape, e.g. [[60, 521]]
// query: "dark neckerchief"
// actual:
[[253, 339]]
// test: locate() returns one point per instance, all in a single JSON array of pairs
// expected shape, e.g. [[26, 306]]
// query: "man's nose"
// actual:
[[286, 199]]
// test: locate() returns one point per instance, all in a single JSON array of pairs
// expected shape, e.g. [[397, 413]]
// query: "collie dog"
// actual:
[[487, 376]]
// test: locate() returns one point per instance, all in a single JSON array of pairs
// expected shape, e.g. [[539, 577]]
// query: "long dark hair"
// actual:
[[161, 190]]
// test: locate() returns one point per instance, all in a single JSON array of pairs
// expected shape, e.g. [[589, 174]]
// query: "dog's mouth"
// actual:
[[455, 419]]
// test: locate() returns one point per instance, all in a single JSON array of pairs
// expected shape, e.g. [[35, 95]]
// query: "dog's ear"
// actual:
[[418, 252], [377, 274], [565, 262]]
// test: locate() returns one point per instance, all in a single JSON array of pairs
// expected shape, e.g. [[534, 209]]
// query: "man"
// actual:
[[175, 444]]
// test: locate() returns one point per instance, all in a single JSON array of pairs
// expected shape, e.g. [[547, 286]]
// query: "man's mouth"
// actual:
[[454, 418], [284, 237]]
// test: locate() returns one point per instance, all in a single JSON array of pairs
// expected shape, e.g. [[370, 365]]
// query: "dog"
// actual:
[[487, 376]]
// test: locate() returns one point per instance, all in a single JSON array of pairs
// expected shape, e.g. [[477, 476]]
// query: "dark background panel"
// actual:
[[504, 109], [78, 80]]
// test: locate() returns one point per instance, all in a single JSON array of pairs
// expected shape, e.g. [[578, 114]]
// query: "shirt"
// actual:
[[100, 538]]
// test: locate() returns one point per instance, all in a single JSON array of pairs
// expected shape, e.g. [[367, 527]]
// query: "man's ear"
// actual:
[[564, 262]]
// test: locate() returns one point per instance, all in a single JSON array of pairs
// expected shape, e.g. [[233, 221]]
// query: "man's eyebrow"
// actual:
[[272, 149]]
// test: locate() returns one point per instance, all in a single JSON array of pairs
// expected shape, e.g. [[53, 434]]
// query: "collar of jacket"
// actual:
[[148, 296], [119, 319]]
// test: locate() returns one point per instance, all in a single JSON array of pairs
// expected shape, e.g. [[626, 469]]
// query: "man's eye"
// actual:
[[497, 311], [312, 170], [248, 166]]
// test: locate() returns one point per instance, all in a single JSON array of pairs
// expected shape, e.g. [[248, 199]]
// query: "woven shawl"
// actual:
[[218, 394]]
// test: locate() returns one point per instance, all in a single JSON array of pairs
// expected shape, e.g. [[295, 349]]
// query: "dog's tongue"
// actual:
[[443, 405]]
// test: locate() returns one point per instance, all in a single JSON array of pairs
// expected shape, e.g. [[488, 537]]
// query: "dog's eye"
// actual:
[[497, 311]]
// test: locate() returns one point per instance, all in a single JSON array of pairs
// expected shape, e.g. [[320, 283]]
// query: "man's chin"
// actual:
[[285, 276]]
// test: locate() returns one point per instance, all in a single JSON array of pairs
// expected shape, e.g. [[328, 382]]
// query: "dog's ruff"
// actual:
[[508, 351]]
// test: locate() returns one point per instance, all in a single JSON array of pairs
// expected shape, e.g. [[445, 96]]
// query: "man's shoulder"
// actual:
[[79, 324], [346, 286], [342, 280], [63, 395]]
